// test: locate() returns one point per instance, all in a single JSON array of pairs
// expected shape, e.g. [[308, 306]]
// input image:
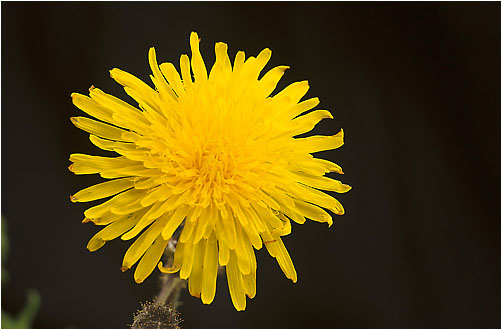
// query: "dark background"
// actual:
[[415, 86]]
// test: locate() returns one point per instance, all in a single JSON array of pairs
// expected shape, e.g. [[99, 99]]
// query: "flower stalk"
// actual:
[[162, 313]]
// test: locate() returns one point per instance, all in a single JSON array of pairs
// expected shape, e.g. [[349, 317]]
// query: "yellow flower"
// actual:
[[215, 157]]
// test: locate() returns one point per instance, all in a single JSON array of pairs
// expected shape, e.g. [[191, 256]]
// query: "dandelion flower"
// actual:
[[215, 158]]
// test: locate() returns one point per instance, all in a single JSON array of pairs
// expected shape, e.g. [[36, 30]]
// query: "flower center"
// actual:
[[214, 152]]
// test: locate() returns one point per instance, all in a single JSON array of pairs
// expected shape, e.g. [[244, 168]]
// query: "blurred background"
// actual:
[[416, 88]]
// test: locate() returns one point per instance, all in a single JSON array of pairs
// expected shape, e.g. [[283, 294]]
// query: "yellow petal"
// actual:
[[174, 201], [240, 56], [202, 224], [285, 262], [301, 107], [222, 66], [270, 243], [92, 108], [294, 92], [187, 262], [307, 122], [251, 231], [323, 183], [268, 200], [317, 143], [142, 243], [235, 284], [260, 62], [223, 253], [137, 170], [187, 231], [241, 249], [249, 284], [185, 71], [155, 194], [159, 81], [123, 114], [209, 230], [210, 271], [239, 215], [267, 216], [136, 88], [102, 190], [175, 221], [249, 280], [98, 163], [286, 229], [198, 66], [146, 183], [110, 232], [149, 261], [313, 212], [270, 80], [105, 219], [173, 77], [98, 128], [195, 279], [179, 254], [294, 215], [142, 223], [315, 166], [280, 197], [127, 209], [228, 225], [317, 197], [129, 150], [123, 198]]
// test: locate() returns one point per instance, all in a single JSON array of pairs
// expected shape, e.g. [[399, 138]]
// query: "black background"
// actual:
[[415, 86]]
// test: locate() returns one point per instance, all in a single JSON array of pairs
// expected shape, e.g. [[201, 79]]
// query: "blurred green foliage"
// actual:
[[25, 317]]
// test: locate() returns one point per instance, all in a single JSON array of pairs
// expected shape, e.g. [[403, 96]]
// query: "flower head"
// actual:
[[216, 157], [156, 316]]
